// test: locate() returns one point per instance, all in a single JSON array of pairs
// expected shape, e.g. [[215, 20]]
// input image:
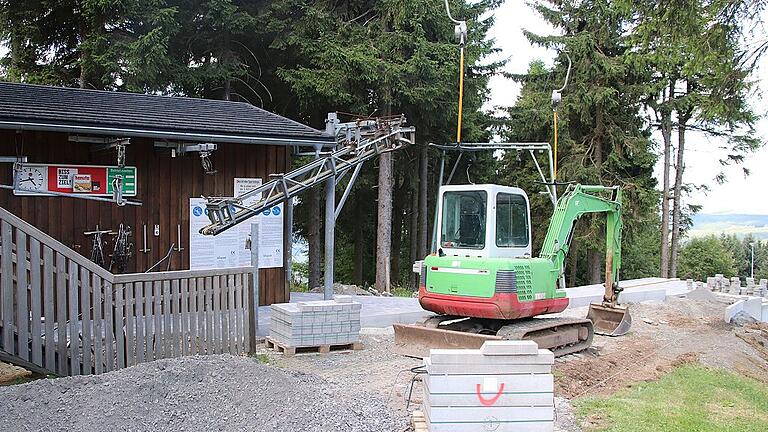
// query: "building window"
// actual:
[[511, 221]]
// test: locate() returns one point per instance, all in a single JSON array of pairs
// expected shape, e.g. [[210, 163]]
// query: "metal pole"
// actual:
[[437, 204], [752, 244], [253, 317], [288, 245], [330, 224]]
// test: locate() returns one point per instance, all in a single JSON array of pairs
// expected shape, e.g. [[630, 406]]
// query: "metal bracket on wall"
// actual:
[[178, 238], [145, 249]]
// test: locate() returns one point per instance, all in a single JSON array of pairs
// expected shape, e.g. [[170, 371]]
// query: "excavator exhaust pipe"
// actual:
[[610, 320]]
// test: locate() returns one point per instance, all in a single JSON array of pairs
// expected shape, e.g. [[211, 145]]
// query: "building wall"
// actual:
[[165, 185]]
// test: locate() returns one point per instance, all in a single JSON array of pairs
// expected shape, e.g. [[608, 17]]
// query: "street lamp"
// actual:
[[752, 245]]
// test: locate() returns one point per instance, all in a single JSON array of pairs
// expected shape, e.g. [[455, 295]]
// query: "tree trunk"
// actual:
[[677, 192], [574, 261], [666, 135], [397, 232], [313, 237], [413, 230], [384, 224], [424, 233], [357, 263], [596, 262]]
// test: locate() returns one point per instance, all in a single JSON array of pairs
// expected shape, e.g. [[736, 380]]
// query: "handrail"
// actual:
[[178, 274], [104, 274], [54, 244]]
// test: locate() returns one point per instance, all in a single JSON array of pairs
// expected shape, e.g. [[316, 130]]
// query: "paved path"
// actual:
[[383, 311]]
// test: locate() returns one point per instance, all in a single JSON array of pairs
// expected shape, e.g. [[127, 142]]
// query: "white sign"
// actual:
[[228, 248], [271, 237], [209, 252], [270, 227], [64, 177]]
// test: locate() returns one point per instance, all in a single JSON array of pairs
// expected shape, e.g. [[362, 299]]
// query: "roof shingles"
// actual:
[[25, 103]]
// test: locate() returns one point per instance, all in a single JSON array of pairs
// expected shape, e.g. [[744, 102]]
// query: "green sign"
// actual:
[[129, 179]]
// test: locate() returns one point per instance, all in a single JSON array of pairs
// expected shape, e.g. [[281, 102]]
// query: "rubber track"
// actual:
[[519, 330]]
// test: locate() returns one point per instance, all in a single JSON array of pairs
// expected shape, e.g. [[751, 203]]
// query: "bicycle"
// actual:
[[123, 250], [97, 245]]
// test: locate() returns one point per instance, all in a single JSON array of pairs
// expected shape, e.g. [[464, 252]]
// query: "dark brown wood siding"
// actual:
[[165, 185]]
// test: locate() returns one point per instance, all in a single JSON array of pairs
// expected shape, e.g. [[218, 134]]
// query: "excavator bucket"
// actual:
[[416, 341], [610, 320]]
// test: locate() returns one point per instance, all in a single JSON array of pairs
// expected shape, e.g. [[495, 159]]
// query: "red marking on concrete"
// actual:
[[491, 401]]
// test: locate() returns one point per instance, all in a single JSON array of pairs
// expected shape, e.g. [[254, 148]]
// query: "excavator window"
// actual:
[[511, 221], [464, 219]]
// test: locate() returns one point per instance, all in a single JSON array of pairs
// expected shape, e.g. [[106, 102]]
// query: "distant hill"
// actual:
[[739, 224]]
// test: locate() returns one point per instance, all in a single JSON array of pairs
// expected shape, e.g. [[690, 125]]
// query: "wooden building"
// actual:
[[61, 126]]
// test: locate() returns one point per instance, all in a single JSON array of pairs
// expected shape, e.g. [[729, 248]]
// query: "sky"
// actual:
[[739, 195]]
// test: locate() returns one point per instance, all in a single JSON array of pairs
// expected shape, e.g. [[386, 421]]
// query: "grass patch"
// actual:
[[402, 291], [691, 398], [261, 358]]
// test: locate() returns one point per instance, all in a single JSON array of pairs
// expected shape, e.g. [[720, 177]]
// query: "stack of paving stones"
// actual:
[[735, 286], [316, 323], [712, 284], [503, 386], [750, 289], [763, 287], [721, 282]]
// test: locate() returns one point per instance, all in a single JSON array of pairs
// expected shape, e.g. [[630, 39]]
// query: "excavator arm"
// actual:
[[577, 201]]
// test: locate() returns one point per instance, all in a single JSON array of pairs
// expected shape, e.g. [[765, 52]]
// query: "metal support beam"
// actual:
[[330, 229], [13, 159], [382, 136], [347, 190], [453, 170], [437, 197]]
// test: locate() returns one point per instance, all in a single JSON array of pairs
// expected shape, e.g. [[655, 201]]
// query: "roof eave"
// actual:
[[161, 134]]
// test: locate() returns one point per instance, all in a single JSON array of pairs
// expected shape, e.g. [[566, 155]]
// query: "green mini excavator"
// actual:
[[484, 284]]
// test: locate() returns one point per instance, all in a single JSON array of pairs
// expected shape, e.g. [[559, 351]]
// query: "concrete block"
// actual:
[[506, 348], [475, 357], [754, 307], [490, 425], [480, 413], [486, 369], [732, 310], [470, 399], [490, 385]]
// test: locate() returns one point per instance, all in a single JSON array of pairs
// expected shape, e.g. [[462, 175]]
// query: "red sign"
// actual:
[[37, 179]]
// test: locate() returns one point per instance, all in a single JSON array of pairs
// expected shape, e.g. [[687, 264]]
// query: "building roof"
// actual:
[[35, 107]]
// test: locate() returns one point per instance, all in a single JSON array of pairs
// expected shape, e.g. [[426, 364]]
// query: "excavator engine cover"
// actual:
[[610, 320]]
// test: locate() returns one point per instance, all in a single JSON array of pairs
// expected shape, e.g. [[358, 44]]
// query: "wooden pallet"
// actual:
[[419, 422], [308, 349]]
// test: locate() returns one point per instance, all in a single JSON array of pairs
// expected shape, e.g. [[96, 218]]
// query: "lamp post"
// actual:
[[752, 245]]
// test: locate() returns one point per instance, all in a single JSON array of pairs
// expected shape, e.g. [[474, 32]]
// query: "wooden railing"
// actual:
[[68, 316]]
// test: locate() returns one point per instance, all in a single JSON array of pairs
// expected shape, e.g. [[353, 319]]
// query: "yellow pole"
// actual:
[[554, 173], [461, 94]]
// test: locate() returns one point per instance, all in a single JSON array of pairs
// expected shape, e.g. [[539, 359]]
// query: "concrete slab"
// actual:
[[635, 291]]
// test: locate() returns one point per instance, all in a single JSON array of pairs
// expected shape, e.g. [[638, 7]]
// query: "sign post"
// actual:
[[253, 290]]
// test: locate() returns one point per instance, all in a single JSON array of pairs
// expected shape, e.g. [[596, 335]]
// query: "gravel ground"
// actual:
[[219, 392]]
